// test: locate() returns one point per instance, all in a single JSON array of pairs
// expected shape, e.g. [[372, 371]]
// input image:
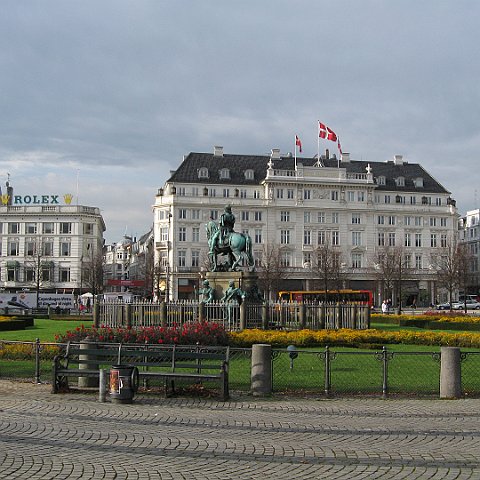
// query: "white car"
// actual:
[[471, 305]]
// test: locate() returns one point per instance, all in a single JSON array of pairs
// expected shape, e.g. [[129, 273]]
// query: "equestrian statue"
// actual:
[[223, 240]]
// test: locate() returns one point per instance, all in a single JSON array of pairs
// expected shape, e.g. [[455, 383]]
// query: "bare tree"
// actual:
[[453, 266], [92, 270], [38, 268], [392, 268], [272, 269], [327, 267]]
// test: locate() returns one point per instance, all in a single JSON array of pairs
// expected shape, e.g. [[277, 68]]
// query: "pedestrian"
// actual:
[[384, 307]]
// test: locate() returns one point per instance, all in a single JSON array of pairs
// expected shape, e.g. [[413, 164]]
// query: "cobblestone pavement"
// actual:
[[73, 436]]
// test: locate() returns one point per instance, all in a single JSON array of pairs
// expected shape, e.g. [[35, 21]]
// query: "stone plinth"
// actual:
[[219, 281]]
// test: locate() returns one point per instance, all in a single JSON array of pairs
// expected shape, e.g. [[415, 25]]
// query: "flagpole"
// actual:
[[295, 146], [318, 144]]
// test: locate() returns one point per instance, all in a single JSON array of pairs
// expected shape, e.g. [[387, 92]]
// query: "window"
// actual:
[[443, 240], [381, 220], [381, 180], [418, 221], [321, 217], [438, 202], [391, 239], [65, 228], [181, 192], [408, 240], [64, 248], [381, 239], [361, 196], [245, 216], [14, 228], [224, 173], [214, 214], [392, 220], [47, 247], [182, 258], [408, 261], [307, 237], [407, 221], [182, 234], [195, 234], [182, 213], [356, 238], [194, 191], [226, 192], [433, 221], [290, 193], [29, 274], [258, 235], [307, 217], [433, 240], [195, 258], [387, 199], [258, 216], [284, 237], [335, 217], [356, 218], [307, 257], [212, 192], [400, 181], [249, 174], [284, 216], [418, 262], [31, 228], [418, 239], [286, 259], [30, 247], [321, 237], [13, 248], [334, 195], [243, 193], [413, 200], [164, 234], [307, 194], [88, 228], [256, 194], [64, 274], [203, 172], [196, 214], [351, 196], [356, 260], [335, 237], [443, 221], [12, 273], [279, 192]]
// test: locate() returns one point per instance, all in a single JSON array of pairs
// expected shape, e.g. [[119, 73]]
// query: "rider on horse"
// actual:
[[227, 222]]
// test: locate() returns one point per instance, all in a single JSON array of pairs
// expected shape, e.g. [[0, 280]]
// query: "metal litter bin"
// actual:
[[123, 383]]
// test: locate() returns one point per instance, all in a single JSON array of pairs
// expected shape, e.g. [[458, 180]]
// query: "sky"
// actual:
[[103, 98]]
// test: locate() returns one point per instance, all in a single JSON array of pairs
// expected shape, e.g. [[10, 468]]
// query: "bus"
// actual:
[[362, 297]]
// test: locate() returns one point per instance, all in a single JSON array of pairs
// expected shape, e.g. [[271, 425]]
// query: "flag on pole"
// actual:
[[298, 143], [326, 132]]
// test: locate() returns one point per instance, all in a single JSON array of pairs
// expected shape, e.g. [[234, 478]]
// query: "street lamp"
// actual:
[[167, 271]]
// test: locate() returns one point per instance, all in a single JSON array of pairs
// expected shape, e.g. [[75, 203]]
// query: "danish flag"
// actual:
[[326, 132], [298, 143]]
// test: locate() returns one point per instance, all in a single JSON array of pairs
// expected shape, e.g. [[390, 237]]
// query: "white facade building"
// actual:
[[45, 241], [470, 235], [359, 206]]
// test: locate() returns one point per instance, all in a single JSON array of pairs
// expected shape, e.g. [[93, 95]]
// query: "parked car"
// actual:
[[471, 305], [444, 306]]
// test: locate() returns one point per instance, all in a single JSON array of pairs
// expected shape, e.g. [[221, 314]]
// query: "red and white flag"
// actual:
[[298, 143], [326, 132]]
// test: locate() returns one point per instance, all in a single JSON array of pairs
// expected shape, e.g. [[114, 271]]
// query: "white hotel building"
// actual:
[[360, 206], [45, 241]]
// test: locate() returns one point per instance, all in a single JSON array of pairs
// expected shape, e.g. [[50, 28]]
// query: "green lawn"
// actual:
[[45, 330]]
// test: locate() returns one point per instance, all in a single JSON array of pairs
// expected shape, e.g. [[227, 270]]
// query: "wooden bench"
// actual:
[[166, 362]]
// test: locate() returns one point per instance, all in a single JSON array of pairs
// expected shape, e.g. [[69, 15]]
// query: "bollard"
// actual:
[[85, 382], [261, 376], [102, 390], [450, 373]]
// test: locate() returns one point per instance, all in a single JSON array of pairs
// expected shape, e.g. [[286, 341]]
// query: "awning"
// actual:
[[13, 264], [47, 264]]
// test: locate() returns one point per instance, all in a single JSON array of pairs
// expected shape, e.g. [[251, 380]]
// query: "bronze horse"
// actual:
[[237, 247]]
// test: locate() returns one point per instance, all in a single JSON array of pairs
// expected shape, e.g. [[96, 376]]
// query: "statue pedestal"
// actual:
[[219, 281]]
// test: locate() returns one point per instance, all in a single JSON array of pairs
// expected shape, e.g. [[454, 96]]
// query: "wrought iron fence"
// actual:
[[324, 372], [282, 315]]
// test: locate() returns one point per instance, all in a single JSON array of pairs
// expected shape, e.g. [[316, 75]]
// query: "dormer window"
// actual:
[[249, 174], [418, 182], [400, 181], [381, 180], [224, 174], [203, 172]]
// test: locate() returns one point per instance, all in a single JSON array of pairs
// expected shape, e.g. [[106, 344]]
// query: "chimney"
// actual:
[[275, 154], [345, 157], [398, 160], [327, 153], [217, 151]]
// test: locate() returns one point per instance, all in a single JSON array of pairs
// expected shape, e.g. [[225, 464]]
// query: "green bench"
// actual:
[[165, 362]]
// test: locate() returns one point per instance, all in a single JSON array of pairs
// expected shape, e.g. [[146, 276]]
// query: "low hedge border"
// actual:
[[15, 323]]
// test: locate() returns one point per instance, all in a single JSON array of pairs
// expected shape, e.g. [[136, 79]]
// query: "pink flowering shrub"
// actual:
[[203, 333]]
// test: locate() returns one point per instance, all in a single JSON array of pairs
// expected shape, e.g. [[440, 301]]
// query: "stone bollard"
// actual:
[[450, 373], [84, 382], [261, 376]]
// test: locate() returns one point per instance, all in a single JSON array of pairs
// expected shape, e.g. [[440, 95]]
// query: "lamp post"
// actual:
[[167, 271]]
